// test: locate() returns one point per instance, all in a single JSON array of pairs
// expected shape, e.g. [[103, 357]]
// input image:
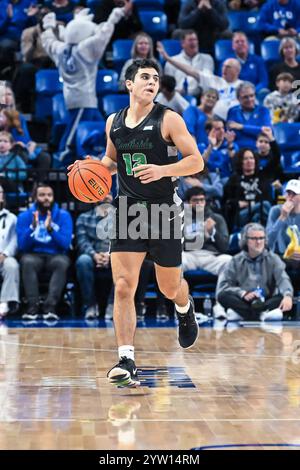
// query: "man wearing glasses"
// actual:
[[254, 284], [248, 118]]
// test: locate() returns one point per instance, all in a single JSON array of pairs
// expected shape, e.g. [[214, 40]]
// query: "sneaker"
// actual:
[[92, 312], [4, 309], [50, 316], [32, 313], [188, 329], [272, 315], [109, 312], [124, 374], [219, 311], [232, 315]]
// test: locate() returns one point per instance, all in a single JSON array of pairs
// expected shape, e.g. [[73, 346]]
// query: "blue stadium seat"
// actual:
[[155, 23], [113, 103], [223, 49], [269, 51], [107, 82], [243, 21], [59, 118], [287, 135], [47, 84], [121, 51], [86, 128], [172, 46], [290, 163], [191, 99], [150, 4], [59, 110]]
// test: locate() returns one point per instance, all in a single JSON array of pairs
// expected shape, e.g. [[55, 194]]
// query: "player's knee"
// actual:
[[123, 288], [170, 292]]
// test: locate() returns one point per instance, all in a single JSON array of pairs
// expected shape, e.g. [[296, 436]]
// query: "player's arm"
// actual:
[[174, 130], [110, 158]]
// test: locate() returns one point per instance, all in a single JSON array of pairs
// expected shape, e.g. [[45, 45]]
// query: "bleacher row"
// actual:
[[50, 104]]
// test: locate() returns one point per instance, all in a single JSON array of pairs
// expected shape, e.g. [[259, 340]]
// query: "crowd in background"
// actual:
[[230, 106]]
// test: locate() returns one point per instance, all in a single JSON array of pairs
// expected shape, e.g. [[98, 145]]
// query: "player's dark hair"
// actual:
[[140, 64]]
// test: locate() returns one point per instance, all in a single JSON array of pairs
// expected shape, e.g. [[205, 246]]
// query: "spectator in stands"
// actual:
[[208, 180], [11, 164], [268, 153], [282, 103], [142, 48], [221, 148], [191, 56], [283, 216], [254, 284], [44, 237], [280, 18], [13, 19], [195, 117], [63, 10], [207, 17], [247, 194], [93, 268], [15, 123], [253, 67], [289, 50], [77, 59], [213, 230], [34, 58], [247, 118], [9, 268], [129, 25], [225, 85], [168, 96], [244, 4]]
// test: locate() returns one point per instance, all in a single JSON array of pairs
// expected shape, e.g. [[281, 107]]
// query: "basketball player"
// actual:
[[142, 143]]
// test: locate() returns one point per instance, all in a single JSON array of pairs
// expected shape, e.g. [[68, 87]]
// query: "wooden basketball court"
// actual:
[[237, 386]]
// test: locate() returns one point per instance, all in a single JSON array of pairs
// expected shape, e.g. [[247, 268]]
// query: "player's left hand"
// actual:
[[148, 173]]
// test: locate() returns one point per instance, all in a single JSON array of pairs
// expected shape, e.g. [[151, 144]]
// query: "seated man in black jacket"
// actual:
[[214, 231]]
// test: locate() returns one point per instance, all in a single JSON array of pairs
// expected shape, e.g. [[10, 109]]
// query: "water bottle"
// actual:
[[261, 294], [258, 302], [207, 306]]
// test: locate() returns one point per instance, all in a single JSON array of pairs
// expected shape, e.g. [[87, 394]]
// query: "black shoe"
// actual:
[[32, 313], [188, 329], [50, 316], [124, 374]]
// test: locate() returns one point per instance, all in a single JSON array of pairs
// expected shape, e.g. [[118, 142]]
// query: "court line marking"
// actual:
[[12, 420], [181, 352]]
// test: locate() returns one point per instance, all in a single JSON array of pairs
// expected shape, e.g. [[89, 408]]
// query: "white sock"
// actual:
[[184, 309], [126, 351]]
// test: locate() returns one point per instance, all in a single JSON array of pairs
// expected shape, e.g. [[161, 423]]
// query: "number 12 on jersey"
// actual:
[[131, 161]]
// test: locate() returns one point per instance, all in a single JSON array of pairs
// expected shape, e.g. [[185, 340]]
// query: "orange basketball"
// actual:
[[89, 180]]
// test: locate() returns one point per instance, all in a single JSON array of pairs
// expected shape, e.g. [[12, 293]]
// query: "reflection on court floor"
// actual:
[[237, 386]]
